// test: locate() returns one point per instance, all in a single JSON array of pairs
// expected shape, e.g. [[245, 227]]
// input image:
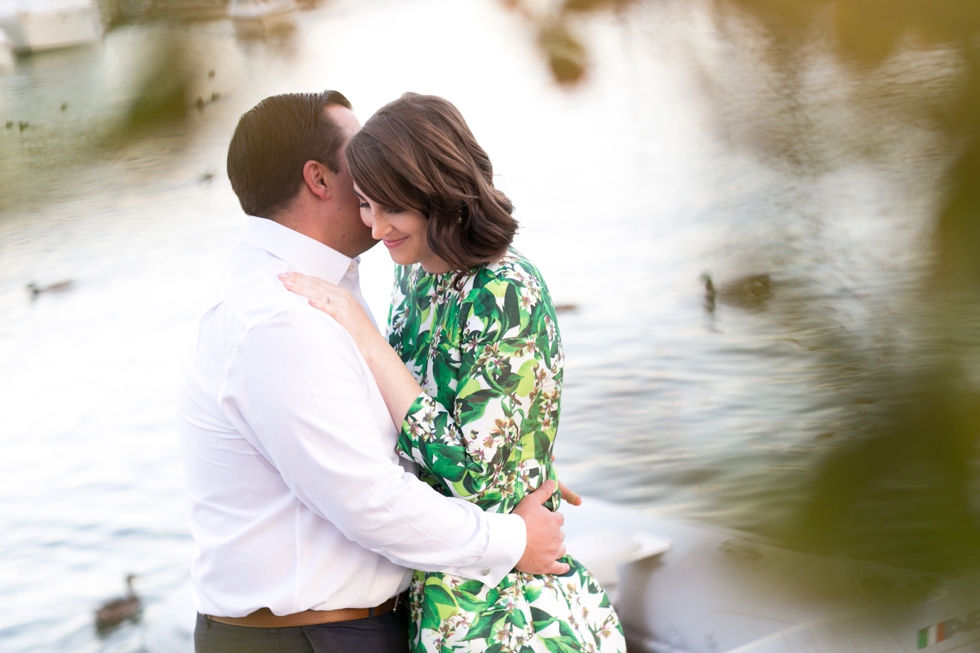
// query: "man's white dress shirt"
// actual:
[[296, 497]]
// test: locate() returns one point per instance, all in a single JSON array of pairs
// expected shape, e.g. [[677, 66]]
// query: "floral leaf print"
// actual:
[[487, 353]]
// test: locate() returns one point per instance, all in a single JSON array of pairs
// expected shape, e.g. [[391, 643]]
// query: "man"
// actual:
[[305, 520]]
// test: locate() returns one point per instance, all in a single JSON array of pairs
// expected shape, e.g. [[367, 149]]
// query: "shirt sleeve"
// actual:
[[490, 439], [298, 391]]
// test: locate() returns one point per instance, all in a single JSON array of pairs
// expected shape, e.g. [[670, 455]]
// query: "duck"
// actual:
[[748, 292], [61, 286], [115, 611]]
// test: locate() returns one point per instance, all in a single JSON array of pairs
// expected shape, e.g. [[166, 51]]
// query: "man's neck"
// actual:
[[309, 228], [314, 221]]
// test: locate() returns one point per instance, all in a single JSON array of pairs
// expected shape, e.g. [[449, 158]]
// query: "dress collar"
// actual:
[[301, 252]]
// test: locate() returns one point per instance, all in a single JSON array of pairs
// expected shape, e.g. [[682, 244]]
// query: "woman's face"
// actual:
[[403, 232]]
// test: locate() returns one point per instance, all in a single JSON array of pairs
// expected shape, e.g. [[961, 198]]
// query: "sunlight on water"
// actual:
[[807, 195]]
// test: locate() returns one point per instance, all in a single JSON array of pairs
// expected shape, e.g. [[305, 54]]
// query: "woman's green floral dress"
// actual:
[[488, 356]]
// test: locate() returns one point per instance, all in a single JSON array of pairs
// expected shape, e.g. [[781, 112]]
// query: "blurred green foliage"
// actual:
[[914, 470], [88, 106]]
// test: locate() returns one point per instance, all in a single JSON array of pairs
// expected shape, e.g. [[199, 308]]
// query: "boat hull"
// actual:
[[718, 590], [257, 19], [54, 26], [7, 59]]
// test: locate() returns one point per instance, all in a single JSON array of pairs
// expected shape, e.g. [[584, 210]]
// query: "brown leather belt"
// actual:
[[263, 617]]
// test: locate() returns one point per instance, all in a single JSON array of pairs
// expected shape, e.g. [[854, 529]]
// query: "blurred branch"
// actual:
[[567, 57]]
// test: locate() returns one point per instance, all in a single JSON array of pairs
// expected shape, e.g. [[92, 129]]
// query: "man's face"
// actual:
[[344, 211]]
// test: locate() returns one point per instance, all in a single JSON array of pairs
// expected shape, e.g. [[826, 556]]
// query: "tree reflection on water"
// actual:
[[902, 489]]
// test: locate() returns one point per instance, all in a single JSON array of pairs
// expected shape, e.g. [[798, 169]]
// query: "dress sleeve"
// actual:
[[490, 440]]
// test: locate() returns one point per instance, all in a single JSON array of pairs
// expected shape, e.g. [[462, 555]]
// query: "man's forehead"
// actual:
[[344, 118]]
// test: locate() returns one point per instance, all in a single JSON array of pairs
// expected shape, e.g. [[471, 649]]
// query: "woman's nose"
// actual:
[[378, 226]]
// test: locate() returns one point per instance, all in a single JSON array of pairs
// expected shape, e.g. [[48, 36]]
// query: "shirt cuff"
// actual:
[[507, 539]]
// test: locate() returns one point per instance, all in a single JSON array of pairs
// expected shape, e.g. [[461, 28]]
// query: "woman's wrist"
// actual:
[[373, 346]]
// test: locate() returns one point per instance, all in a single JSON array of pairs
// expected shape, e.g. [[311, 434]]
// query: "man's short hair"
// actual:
[[272, 143]]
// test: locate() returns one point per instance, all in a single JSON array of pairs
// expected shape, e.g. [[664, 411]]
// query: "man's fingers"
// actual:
[[558, 569], [544, 492], [545, 537]]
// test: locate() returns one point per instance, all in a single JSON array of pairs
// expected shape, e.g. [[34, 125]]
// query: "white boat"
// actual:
[[7, 59], [50, 24], [261, 17], [10, 24], [690, 588], [717, 590]]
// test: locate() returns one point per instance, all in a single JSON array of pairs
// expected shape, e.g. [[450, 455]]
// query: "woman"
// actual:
[[478, 402]]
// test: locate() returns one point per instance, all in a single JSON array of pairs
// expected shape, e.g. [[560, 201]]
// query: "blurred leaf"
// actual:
[[958, 228], [870, 29], [163, 93], [566, 56], [592, 5]]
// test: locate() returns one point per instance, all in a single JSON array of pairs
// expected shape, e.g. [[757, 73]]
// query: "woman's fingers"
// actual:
[[309, 287], [322, 294], [568, 495]]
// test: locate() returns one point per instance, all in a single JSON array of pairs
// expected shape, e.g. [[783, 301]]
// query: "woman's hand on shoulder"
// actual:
[[338, 303], [398, 387]]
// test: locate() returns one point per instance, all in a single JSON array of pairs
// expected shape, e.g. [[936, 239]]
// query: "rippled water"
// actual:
[[682, 154]]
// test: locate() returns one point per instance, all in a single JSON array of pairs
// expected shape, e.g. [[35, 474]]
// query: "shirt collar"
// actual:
[[301, 252]]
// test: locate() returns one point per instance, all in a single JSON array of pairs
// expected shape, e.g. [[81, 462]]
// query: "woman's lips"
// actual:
[[392, 244]]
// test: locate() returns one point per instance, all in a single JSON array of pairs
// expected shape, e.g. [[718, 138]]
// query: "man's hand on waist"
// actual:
[[545, 539]]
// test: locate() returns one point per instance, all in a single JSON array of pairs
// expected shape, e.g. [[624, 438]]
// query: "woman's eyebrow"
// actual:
[[359, 196]]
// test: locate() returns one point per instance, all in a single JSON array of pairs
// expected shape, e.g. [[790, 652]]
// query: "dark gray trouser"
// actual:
[[386, 633]]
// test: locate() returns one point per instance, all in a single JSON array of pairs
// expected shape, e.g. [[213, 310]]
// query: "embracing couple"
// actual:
[[323, 462]]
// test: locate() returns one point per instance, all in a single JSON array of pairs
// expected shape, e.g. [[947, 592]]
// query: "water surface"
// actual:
[[682, 153]]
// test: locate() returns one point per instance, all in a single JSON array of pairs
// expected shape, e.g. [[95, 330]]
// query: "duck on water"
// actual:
[[750, 292], [61, 286], [115, 611]]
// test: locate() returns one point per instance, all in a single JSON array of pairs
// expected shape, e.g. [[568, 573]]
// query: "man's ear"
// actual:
[[318, 179]]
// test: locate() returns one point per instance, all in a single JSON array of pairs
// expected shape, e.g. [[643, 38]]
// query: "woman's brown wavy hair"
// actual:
[[418, 153]]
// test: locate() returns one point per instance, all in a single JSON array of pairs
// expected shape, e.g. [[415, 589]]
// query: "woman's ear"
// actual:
[[318, 179]]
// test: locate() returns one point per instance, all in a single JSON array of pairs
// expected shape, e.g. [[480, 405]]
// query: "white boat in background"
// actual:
[[717, 590], [7, 59], [682, 587], [10, 24], [38, 25], [60, 24], [256, 18]]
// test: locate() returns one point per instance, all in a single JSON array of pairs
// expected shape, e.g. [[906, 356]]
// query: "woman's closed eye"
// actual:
[[390, 210]]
